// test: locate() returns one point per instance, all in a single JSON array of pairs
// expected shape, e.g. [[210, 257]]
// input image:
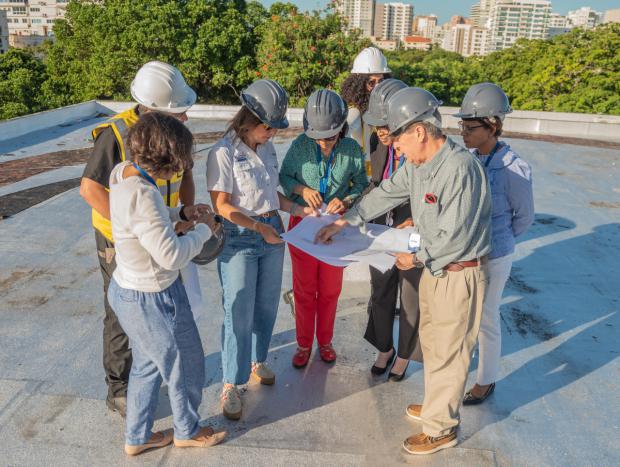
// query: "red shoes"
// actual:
[[327, 352], [301, 357]]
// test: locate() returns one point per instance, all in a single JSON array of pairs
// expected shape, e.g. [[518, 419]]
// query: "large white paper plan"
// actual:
[[374, 245]]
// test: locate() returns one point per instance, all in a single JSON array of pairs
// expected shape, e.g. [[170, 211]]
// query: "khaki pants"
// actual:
[[450, 313]]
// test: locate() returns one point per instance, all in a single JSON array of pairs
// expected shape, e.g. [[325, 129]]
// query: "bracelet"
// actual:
[[182, 214]]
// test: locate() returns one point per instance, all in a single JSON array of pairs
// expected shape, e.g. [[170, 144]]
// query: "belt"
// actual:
[[266, 214], [460, 265]]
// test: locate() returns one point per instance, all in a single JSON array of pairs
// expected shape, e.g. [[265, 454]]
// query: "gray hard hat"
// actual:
[[325, 114], [268, 101], [484, 100], [377, 104], [410, 105], [212, 247]]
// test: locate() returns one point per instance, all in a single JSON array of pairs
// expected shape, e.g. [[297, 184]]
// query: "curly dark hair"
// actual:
[[160, 143], [354, 91]]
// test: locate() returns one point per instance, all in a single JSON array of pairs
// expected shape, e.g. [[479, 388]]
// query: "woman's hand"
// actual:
[[335, 206], [303, 211], [196, 211], [325, 234], [270, 235], [406, 223], [312, 197]]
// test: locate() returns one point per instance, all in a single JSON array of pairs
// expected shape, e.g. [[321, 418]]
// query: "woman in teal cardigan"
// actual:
[[322, 167]]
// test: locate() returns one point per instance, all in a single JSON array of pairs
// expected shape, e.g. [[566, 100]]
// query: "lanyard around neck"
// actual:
[[492, 153], [325, 178], [144, 174]]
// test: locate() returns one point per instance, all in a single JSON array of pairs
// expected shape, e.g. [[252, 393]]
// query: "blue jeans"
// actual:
[[165, 344], [250, 272]]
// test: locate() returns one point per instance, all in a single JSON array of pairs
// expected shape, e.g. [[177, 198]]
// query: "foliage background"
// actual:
[[223, 45]]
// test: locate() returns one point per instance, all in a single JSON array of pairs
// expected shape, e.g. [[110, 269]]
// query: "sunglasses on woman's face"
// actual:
[[268, 128]]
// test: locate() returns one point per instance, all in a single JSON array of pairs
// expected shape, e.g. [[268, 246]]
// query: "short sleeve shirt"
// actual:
[[251, 177], [105, 156]]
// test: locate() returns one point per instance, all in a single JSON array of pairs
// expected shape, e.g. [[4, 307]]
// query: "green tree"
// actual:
[[306, 51], [21, 77], [100, 46]]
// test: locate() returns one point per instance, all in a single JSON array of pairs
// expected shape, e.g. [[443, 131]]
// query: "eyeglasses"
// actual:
[[469, 129]]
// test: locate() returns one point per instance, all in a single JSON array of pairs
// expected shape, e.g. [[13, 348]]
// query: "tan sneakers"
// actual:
[[263, 374], [414, 411], [231, 402]]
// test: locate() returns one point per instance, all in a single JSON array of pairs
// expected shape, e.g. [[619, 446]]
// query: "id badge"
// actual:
[[414, 242]]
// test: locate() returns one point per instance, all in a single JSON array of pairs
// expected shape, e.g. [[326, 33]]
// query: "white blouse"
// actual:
[[251, 177]]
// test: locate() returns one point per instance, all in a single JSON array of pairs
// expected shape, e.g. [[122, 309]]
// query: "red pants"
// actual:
[[316, 286]]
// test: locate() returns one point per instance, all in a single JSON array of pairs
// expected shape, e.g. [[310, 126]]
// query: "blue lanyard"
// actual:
[[495, 149], [144, 174], [391, 157], [325, 178]]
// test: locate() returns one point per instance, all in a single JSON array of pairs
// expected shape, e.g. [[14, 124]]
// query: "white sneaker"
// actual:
[[231, 402], [263, 373]]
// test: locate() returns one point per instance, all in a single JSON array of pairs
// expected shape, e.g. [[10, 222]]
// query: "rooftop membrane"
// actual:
[[556, 403]]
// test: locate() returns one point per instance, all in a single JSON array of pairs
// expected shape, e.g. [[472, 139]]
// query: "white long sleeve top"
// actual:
[[149, 254]]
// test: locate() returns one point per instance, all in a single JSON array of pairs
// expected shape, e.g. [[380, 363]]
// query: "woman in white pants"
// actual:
[[482, 113]]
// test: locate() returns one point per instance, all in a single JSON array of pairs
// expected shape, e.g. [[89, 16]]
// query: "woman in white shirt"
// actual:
[[242, 177], [146, 292]]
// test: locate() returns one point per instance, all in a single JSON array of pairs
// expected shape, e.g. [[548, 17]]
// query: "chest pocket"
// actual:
[[246, 175]]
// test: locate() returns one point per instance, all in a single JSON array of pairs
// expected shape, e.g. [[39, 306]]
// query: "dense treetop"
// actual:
[[223, 45]]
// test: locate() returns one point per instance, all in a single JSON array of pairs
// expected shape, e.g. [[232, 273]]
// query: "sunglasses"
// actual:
[[267, 127], [469, 129], [372, 82]]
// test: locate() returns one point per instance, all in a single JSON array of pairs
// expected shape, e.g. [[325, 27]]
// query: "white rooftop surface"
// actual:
[[557, 402]]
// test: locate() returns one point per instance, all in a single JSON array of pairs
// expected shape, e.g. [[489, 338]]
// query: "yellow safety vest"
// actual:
[[120, 124]]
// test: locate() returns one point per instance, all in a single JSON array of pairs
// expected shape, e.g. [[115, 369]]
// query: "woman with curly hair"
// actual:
[[369, 69]]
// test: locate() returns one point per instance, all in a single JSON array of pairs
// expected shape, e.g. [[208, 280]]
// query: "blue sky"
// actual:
[[445, 9]]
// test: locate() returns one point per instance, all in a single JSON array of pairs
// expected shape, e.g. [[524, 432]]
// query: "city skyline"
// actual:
[[446, 9]]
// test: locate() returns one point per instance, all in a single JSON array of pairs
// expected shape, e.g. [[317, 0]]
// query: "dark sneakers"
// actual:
[[117, 404], [422, 444]]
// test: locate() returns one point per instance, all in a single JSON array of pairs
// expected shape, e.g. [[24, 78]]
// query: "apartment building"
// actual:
[[510, 20], [30, 21], [424, 26], [585, 17], [359, 14]]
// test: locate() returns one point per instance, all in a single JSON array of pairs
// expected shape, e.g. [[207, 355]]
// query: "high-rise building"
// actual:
[[612, 16], [465, 39], [397, 20], [30, 21], [359, 14], [425, 26], [510, 20], [479, 12], [585, 17], [4, 32], [558, 24]]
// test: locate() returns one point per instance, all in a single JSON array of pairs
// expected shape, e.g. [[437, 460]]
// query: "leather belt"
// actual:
[[267, 214], [460, 265]]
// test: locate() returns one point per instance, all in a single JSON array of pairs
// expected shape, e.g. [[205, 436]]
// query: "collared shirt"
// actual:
[[457, 225], [347, 177], [510, 178], [251, 177]]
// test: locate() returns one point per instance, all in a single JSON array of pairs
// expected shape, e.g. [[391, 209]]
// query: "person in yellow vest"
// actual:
[[159, 87]]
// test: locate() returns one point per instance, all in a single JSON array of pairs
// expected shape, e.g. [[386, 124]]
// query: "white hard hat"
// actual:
[[159, 86], [370, 61]]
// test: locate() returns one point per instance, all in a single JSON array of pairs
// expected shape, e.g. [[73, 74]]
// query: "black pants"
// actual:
[[385, 288], [116, 351]]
